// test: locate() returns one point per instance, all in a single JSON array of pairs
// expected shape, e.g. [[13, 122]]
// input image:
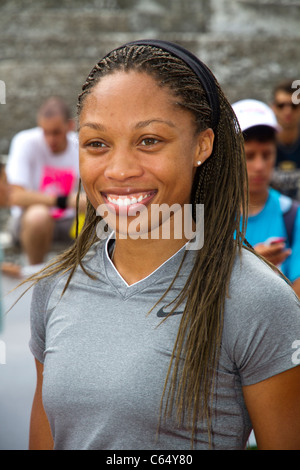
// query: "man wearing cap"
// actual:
[[286, 107], [267, 229]]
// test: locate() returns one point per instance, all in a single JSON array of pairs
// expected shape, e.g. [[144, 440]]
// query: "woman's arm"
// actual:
[[40, 437], [274, 409]]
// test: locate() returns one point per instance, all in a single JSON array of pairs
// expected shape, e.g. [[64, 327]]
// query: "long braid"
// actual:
[[220, 184], [208, 283]]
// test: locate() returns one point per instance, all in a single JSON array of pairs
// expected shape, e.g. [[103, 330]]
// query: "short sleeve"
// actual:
[[18, 166], [263, 326], [38, 317]]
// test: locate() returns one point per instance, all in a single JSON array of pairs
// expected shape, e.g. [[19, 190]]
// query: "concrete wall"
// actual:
[[48, 46]]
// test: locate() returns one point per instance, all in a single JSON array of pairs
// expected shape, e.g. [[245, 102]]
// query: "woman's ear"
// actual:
[[204, 146]]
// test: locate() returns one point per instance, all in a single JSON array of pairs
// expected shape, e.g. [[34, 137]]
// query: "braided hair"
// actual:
[[220, 184]]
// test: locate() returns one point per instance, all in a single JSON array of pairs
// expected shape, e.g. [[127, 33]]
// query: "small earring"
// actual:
[[198, 163]]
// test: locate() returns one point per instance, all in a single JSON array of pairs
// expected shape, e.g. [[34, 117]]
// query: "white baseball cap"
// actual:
[[252, 113]]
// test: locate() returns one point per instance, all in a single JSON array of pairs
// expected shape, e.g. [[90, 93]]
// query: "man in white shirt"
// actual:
[[43, 171]]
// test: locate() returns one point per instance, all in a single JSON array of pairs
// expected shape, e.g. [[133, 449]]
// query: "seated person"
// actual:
[[43, 170], [266, 229]]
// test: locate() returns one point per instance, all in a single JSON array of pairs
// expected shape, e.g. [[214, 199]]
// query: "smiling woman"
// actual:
[[142, 342], [129, 163]]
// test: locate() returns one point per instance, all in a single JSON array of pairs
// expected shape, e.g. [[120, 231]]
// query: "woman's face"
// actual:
[[137, 147]]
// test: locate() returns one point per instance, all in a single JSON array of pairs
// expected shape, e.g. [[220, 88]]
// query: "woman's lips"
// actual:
[[128, 203]]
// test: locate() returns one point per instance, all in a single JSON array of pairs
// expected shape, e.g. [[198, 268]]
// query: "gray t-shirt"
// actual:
[[105, 358]]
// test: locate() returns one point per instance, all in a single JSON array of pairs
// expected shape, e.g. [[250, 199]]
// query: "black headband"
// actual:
[[205, 76]]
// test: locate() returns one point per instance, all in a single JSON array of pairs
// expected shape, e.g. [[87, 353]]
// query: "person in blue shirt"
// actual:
[[266, 229]]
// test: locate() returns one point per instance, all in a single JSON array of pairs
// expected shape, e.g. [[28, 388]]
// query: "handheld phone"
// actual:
[[274, 240]]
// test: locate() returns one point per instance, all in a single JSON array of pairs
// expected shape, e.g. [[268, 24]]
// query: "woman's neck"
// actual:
[[137, 259]]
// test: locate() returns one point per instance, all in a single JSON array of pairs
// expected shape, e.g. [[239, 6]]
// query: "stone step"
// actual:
[[40, 26], [63, 68], [49, 46], [46, 5], [230, 57], [58, 25]]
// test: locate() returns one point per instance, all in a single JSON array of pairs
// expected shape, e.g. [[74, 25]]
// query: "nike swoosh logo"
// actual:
[[162, 313]]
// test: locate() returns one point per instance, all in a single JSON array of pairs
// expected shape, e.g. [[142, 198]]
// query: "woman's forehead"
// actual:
[[127, 77], [128, 89], [134, 103]]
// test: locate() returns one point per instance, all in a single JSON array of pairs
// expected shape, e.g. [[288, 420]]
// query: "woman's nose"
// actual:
[[123, 165]]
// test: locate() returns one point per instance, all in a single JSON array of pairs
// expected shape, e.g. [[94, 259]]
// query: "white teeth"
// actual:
[[127, 201]]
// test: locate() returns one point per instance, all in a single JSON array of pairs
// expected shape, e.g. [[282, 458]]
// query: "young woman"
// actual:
[[145, 340]]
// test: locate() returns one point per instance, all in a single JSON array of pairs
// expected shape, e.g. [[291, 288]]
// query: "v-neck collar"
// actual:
[[126, 290]]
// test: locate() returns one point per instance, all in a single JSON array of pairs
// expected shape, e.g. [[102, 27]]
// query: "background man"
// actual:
[[43, 172], [286, 176], [267, 230]]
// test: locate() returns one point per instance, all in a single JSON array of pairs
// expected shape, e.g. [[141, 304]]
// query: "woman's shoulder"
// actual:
[[257, 287], [262, 314], [251, 272], [44, 286], [53, 277]]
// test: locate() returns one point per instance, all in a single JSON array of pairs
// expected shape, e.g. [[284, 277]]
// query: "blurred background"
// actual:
[[49, 46]]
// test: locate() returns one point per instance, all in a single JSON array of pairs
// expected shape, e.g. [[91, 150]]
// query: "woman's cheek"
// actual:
[[92, 194]]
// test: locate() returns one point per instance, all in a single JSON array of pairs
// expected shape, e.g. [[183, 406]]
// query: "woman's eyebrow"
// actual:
[[93, 125], [150, 121], [100, 127]]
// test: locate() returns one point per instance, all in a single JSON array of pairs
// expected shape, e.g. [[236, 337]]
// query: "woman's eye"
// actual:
[[96, 144], [149, 141]]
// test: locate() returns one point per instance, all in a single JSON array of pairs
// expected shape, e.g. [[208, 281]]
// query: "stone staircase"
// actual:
[[48, 46]]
